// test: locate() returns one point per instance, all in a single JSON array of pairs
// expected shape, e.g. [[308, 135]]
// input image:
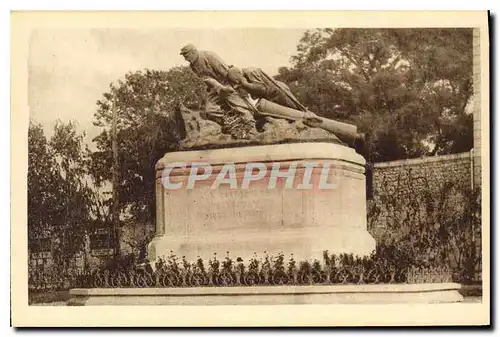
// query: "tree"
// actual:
[[146, 102], [59, 198], [408, 89], [42, 179]]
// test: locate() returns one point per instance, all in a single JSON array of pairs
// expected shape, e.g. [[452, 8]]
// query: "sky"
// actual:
[[70, 69]]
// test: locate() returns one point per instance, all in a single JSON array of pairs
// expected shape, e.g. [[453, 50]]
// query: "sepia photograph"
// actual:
[[216, 166]]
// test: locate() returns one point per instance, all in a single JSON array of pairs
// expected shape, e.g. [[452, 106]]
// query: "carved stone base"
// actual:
[[304, 222]]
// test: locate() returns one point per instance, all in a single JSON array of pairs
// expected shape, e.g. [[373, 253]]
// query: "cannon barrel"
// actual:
[[345, 132]]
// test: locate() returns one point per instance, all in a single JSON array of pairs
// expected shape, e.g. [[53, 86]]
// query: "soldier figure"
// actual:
[[223, 106], [227, 104], [260, 85]]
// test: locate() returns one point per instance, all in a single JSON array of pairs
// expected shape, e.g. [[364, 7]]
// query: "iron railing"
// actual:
[[165, 278]]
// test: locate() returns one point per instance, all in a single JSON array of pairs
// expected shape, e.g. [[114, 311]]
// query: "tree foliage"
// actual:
[[42, 178], [145, 104], [408, 89], [59, 198]]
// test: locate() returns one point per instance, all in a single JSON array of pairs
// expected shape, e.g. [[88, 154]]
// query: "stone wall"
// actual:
[[404, 176], [408, 197], [405, 180]]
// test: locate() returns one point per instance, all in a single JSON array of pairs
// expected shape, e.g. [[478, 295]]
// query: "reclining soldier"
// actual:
[[260, 85]]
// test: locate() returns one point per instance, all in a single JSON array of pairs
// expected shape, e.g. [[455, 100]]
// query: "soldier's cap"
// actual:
[[187, 48], [233, 72]]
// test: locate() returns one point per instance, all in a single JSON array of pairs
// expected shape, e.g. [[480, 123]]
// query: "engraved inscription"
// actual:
[[234, 207]]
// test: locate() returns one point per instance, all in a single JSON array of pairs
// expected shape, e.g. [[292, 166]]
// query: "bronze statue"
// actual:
[[229, 89], [223, 106], [260, 85]]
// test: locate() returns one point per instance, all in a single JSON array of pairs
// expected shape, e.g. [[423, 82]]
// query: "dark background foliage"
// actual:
[[407, 88]]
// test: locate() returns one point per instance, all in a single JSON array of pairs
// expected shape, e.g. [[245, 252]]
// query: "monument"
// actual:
[[250, 178], [258, 174]]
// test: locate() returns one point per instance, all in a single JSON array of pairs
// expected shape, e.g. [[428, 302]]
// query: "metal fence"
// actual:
[[192, 277]]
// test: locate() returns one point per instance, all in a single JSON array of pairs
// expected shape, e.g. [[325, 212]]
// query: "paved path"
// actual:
[[472, 299]]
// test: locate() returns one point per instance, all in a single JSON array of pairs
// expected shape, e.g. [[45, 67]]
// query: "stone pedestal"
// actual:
[[291, 218]]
